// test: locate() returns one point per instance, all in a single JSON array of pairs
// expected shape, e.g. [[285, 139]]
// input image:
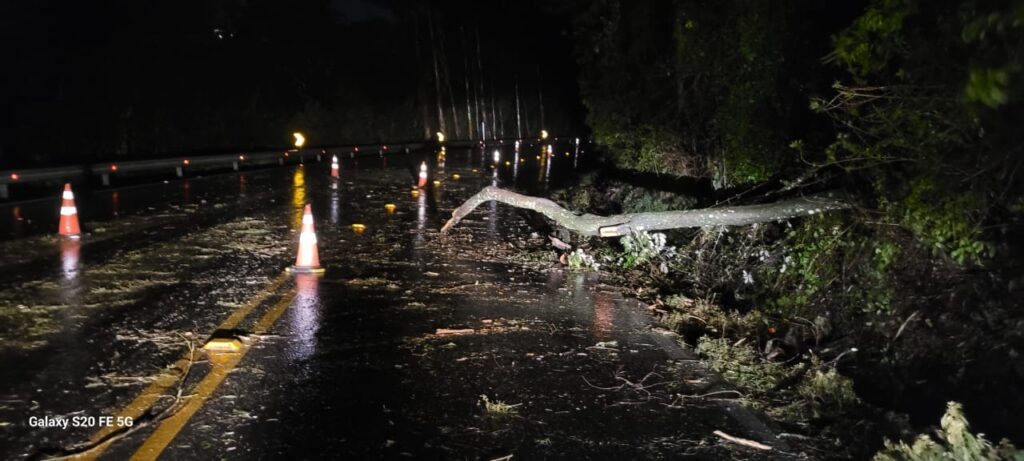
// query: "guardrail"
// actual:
[[182, 164]]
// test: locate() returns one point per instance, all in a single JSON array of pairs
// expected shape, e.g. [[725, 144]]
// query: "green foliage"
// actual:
[[867, 46], [691, 87], [643, 247], [740, 364], [832, 261], [920, 93], [640, 200], [827, 393], [956, 442], [914, 109], [753, 149], [580, 199], [930, 80], [909, 157], [988, 86], [702, 316], [579, 260], [944, 224], [992, 76], [809, 266]]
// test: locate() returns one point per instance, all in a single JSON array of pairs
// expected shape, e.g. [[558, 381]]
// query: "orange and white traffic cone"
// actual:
[[69, 215], [334, 166], [423, 175], [308, 260]]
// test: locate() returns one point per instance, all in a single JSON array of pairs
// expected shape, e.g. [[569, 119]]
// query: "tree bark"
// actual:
[[624, 224]]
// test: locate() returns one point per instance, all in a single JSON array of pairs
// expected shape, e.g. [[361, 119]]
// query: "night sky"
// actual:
[[88, 82]]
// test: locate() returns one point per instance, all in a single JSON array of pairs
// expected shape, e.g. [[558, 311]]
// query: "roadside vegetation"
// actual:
[[853, 327]]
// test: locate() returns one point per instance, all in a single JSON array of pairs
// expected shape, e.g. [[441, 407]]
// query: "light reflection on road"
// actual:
[[298, 197], [304, 321]]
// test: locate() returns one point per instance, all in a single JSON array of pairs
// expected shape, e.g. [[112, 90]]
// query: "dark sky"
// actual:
[[89, 81], [347, 11]]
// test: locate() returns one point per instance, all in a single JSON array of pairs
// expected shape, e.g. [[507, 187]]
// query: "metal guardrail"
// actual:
[[180, 165]]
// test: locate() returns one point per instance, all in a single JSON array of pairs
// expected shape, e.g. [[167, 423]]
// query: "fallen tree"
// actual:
[[623, 224]]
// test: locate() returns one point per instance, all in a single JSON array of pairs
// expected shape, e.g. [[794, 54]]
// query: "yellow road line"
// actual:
[[222, 366], [237, 316], [165, 381]]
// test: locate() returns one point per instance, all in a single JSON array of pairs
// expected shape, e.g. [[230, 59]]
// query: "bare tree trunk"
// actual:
[[437, 73], [526, 120], [624, 224], [519, 122], [540, 97], [494, 116], [480, 75], [501, 120], [420, 91], [476, 95], [446, 72], [465, 74]]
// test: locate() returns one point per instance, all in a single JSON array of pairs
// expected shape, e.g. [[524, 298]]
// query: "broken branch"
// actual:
[[624, 224], [741, 441]]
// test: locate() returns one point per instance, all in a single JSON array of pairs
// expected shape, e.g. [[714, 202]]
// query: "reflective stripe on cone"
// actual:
[[68, 226]]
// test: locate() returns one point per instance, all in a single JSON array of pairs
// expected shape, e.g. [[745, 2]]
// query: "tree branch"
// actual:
[[619, 225]]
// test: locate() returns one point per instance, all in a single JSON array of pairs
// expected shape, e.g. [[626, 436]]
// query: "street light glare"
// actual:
[[300, 140]]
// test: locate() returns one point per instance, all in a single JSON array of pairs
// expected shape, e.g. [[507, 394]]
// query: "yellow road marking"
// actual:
[[237, 316], [165, 381], [222, 366]]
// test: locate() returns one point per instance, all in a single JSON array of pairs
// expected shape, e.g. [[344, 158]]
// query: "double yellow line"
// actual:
[[222, 364]]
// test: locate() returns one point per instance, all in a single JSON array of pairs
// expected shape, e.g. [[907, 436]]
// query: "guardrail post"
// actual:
[[235, 165], [4, 193], [106, 179], [178, 171], [280, 161]]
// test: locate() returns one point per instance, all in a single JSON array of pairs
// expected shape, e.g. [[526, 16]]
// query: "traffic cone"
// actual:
[[308, 260], [334, 166], [69, 215], [423, 175]]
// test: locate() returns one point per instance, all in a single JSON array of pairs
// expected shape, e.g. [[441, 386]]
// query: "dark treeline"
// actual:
[[911, 108], [84, 81]]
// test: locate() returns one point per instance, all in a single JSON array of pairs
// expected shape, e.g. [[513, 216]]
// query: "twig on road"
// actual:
[[75, 452], [742, 441], [638, 386], [682, 397]]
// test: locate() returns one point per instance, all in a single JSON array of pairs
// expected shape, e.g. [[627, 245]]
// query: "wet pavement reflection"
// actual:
[[410, 345]]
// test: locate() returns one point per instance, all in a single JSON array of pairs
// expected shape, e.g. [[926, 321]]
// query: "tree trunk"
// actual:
[[540, 97], [465, 76], [482, 109], [437, 72], [624, 224], [519, 121], [447, 75], [421, 93], [494, 114]]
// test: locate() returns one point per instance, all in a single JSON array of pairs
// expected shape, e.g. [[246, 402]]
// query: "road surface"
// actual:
[[409, 346]]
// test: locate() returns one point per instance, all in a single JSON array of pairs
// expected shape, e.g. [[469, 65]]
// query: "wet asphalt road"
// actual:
[[409, 346]]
